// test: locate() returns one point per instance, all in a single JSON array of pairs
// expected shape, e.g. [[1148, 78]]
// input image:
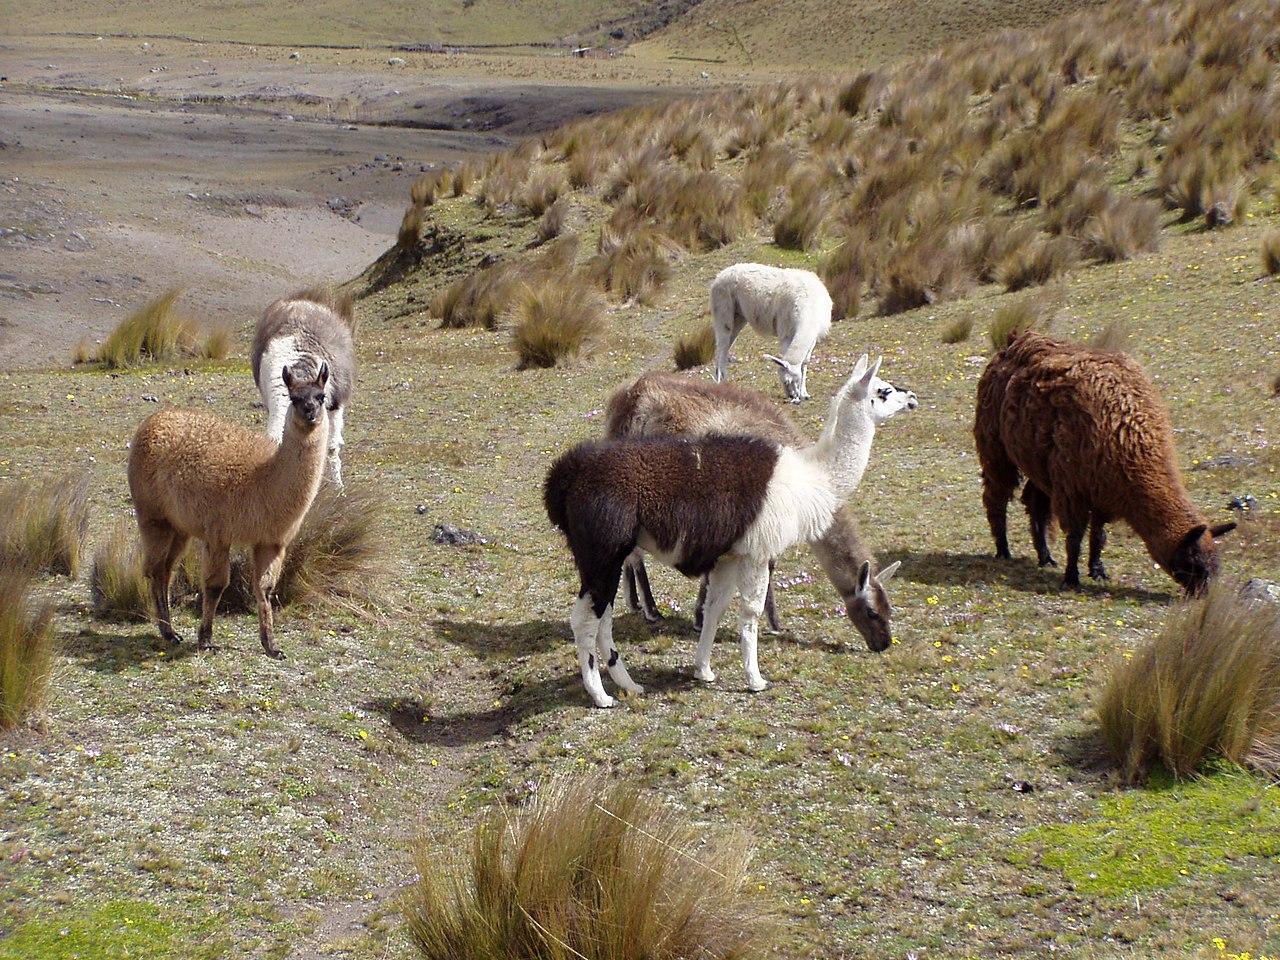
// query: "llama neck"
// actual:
[[842, 552], [1165, 517], [844, 450], [294, 471]]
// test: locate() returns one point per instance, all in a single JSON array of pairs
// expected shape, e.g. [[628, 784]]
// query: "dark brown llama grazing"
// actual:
[[1092, 438], [667, 404]]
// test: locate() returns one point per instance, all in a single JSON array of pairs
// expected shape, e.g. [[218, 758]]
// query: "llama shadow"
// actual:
[[113, 651], [966, 569], [416, 722], [505, 641]]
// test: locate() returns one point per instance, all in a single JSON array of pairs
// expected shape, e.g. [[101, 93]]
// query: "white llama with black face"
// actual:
[[723, 506], [792, 305], [302, 332]]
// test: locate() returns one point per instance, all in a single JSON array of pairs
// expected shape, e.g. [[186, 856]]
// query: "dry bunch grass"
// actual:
[[26, 649], [958, 330], [155, 332], [589, 869], [556, 320], [1207, 685], [800, 224], [117, 585], [553, 220], [43, 529], [695, 349], [410, 231], [1271, 253], [1035, 312], [544, 187], [633, 262], [1039, 262]]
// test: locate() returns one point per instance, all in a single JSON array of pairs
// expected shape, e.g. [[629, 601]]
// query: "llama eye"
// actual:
[[873, 616]]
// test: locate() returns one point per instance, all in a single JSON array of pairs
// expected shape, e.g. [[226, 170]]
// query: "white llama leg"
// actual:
[[724, 340], [336, 418], [585, 626], [610, 656], [753, 585], [720, 586]]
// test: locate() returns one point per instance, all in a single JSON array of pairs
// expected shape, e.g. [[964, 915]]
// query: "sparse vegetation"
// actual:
[[26, 648], [1207, 685], [1033, 312], [43, 529], [589, 869], [153, 333], [695, 349], [117, 585], [958, 330], [555, 321]]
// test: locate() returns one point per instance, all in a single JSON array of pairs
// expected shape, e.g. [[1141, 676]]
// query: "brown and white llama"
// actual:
[[192, 474], [723, 506], [1090, 434], [301, 332], [669, 404]]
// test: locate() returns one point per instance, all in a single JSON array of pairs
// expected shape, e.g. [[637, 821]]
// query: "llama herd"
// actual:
[[711, 479]]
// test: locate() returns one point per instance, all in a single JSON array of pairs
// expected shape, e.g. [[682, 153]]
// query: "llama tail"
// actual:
[[555, 493]]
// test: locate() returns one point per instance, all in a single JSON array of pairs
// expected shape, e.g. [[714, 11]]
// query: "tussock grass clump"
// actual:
[[216, 344], [958, 330], [1029, 313], [155, 332], [699, 210], [1123, 229], [427, 187], [589, 869], [845, 272], [410, 231], [633, 262], [479, 298], [1271, 253], [1207, 685], [83, 353], [43, 529], [26, 649], [543, 189], [695, 349], [800, 223], [930, 270], [117, 585], [1115, 337], [1039, 262], [553, 220], [464, 175], [557, 320]]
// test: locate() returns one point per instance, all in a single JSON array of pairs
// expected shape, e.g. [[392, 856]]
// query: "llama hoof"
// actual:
[[705, 674], [1098, 572], [207, 647], [275, 653], [757, 684], [652, 617], [606, 702], [171, 638], [1071, 583], [1003, 555], [1048, 562]]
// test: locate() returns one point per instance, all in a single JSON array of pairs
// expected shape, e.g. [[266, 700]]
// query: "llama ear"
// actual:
[[1222, 529], [287, 376], [864, 576], [323, 376], [869, 377], [860, 367], [1193, 537], [885, 575]]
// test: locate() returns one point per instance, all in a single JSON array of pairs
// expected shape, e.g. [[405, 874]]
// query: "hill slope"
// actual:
[[852, 34]]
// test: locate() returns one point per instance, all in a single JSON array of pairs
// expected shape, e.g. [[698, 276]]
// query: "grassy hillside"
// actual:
[[850, 35], [323, 21], [942, 799]]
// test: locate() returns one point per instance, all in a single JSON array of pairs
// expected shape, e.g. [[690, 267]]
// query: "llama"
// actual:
[[792, 305], [192, 474], [302, 331], [1088, 431], [658, 404], [718, 505]]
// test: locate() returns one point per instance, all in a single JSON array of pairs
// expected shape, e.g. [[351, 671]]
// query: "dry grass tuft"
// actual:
[[216, 345], [464, 175], [479, 298], [154, 333], [958, 330], [543, 189], [83, 353], [1271, 253], [117, 585], [1030, 313], [695, 349], [410, 231], [1123, 229], [43, 529], [427, 187], [589, 869], [1039, 262], [26, 649], [800, 224], [633, 262], [553, 220], [555, 321], [845, 272], [1208, 684], [1115, 337]]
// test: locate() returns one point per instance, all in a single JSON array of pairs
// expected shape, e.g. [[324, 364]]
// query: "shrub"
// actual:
[[118, 588], [634, 262], [1271, 252], [26, 649], [1044, 259], [589, 869], [155, 332], [1115, 337], [556, 320], [1208, 684], [43, 529], [958, 330], [1029, 313], [695, 349]]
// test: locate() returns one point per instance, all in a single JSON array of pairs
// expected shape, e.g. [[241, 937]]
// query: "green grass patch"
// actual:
[[116, 930]]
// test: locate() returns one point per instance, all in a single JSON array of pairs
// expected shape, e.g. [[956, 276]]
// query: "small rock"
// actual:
[[381, 158], [150, 398], [253, 210], [1266, 591], [448, 534], [1226, 461], [1022, 786], [705, 75], [1243, 503], [395, 61], [422, 509], [975, 361], [295, 55]]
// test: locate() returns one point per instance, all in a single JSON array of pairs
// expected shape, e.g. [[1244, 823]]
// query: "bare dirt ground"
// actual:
[[131, 166]]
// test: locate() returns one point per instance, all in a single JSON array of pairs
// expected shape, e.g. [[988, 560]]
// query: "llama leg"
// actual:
[[724, 340], [610, 656], [158, 540], [1038, 510], [996, 494], [720, 582], [335, 446], [753, 585], [702, 602], [1074, 528], [586, 626], [629, 583], [1097, 540], [266, 568], [770, 611], [217, 573], [648, 606]]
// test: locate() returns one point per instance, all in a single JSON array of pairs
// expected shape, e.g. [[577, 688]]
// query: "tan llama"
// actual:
[[192, 474]]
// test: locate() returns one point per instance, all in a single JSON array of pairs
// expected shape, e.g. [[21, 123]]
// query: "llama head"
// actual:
[[306, 395], [1195, 560], [887, 400], [868, 606], [852, 402], [791, 375]]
